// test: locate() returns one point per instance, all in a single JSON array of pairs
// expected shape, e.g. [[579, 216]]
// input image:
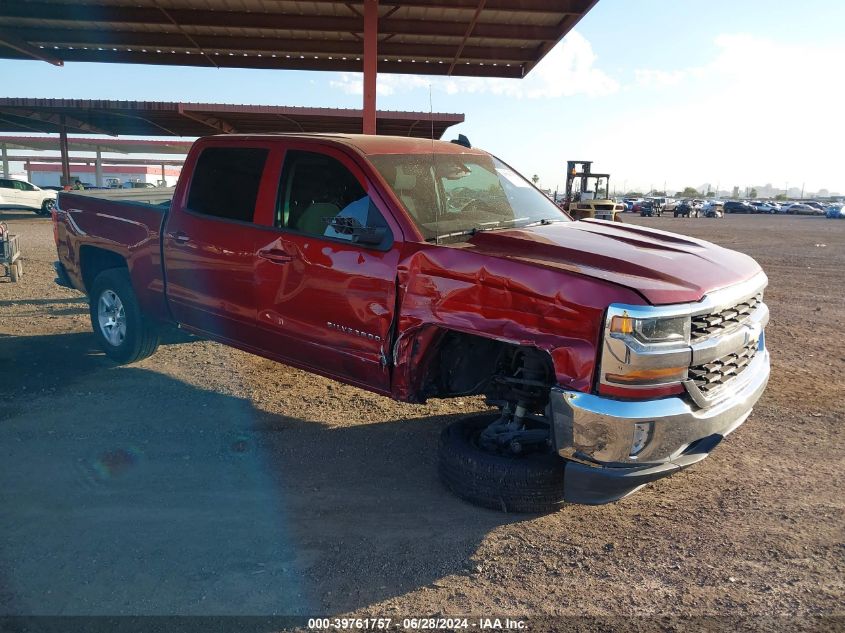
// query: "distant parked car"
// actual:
[[738, 206], [836, 210], [138, 185], [20, 193], [816, 205], [764, 207], [712, 209], [801, 208], [686, 209], [648, 209], [631, 204]]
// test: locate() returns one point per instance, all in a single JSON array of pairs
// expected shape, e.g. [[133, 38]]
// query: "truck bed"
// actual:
[[94, 225], [157, 195]]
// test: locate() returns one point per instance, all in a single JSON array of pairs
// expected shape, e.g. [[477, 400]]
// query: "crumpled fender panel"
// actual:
[[453, 288]]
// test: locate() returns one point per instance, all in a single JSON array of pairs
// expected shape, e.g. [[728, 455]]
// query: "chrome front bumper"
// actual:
[[595, 434]]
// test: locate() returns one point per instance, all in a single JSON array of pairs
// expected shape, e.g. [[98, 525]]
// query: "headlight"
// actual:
[[645, 351], [653, 330]]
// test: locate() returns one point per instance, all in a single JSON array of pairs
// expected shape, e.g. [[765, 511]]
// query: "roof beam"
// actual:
[[207, 44], [21, 125], [214, 123], [187, 36], [309, 63], [470, 27], [76, 14], [91, 159], [8, 38], [522, 6], [55, 119]]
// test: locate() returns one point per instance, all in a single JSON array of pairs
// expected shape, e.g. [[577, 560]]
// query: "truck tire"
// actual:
[[47, 207], [15, 272], [532, 483], [122, 331]]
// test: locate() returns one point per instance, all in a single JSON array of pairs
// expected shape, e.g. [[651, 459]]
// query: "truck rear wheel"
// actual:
[[122, 331], [525, 483]]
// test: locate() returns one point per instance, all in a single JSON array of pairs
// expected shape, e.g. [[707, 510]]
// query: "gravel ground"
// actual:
[[205, 480]]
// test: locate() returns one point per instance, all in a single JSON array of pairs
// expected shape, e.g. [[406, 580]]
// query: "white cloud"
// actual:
[[650, 78], [761, 110], [569, 69], [752, 60]]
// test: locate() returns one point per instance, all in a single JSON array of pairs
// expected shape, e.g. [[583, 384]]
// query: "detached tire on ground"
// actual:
[[122, 331], [532, 483]]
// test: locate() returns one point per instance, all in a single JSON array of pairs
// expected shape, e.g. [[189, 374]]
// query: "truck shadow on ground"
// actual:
[[126, 491], [33, 366]]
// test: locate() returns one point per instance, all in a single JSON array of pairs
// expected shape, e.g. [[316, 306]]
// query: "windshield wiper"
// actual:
[[542, 222], [483, 226], [441, 236]]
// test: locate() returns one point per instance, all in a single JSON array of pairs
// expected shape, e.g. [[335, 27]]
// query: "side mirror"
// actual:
[[370, 235]]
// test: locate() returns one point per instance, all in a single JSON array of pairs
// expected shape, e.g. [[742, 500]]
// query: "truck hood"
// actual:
[[663, 267]]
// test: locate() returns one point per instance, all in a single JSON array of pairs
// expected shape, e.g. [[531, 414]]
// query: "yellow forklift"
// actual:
[[591, 199]]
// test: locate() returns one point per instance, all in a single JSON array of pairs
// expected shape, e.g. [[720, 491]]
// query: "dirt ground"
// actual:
[[205, 480]]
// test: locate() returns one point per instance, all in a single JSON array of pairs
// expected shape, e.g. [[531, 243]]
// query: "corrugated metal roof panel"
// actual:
[[503, 38], [146, 118]]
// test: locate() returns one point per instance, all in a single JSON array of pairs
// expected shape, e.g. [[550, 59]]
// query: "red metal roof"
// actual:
[[155, 118], [115, 145], [487, 38]]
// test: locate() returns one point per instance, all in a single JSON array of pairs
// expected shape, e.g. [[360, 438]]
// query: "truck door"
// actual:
[[325, 277], [209, 239]]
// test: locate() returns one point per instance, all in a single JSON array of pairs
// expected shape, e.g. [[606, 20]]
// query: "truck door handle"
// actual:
[[275, 255], [179, 236]]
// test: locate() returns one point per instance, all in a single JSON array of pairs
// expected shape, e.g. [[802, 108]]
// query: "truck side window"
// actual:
[[321, 197], [225, 182]]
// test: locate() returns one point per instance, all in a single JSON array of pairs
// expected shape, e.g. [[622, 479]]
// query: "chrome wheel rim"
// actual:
[[112, 317]]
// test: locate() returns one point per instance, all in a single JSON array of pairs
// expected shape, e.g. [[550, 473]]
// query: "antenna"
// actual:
[[434, 171], [431, 116]]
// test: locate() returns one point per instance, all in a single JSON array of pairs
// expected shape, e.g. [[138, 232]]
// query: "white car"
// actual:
[[765, 207], [20, 193]]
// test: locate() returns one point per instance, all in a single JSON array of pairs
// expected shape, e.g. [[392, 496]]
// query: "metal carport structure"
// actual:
[[155, 118], [90, 144], [479, 38]]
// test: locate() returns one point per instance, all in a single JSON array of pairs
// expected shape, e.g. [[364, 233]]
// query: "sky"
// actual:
[[659, 93]]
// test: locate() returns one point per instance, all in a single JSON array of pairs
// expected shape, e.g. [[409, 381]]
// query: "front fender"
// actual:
[[445, 288]]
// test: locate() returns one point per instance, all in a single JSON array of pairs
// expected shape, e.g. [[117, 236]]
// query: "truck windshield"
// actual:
[[453, 195]]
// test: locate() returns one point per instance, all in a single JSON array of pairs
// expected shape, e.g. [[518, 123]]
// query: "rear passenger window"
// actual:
[[321, 197], [225, 182]]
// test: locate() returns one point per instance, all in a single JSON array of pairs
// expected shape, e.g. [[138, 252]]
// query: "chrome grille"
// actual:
[[714, 374], [714, 323]]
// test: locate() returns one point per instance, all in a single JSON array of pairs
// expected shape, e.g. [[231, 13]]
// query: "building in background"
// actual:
[[49, 175]]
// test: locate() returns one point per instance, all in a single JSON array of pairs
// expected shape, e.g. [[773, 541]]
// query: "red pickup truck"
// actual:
[[611, 355]]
